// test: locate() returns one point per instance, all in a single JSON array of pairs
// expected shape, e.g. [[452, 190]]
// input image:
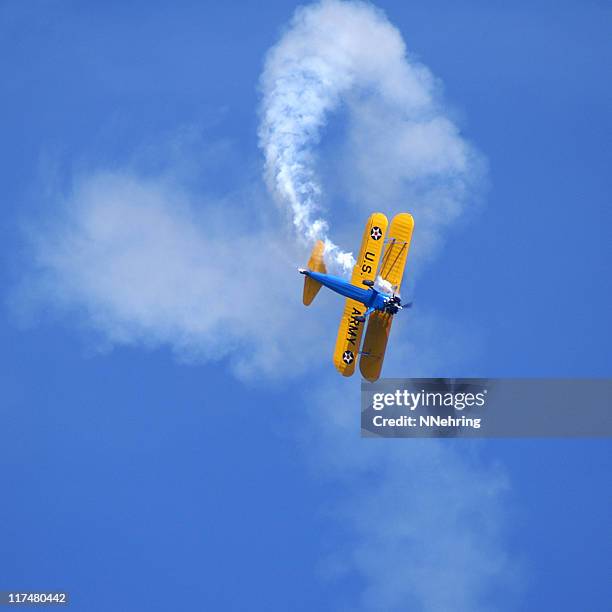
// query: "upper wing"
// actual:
[[375, 345], [396, 251], [350, 330], [391, 270]]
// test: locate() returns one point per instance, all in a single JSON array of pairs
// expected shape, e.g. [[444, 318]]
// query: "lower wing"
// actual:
[[349, 337], [350, 330]]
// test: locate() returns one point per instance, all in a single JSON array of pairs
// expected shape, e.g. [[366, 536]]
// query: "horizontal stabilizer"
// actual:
[[315, 264]]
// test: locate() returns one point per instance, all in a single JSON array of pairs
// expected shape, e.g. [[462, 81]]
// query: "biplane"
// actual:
[[365, 304]]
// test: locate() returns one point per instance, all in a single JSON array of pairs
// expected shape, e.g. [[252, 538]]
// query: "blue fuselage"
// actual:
[[371, 298]]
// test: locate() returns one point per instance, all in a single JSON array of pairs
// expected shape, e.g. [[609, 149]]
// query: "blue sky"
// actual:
[[142, 471]]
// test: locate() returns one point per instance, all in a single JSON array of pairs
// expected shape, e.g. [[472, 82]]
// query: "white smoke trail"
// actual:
[[401, 151], [347, 52]]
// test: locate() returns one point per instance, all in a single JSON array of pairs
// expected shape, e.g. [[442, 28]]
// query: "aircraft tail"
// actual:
[[315, 264]]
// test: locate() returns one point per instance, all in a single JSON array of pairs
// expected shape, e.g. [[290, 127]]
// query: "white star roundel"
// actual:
[[376, 233], [347, 357]]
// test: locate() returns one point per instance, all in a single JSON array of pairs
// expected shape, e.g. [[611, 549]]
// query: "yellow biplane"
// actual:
[[363, 301]]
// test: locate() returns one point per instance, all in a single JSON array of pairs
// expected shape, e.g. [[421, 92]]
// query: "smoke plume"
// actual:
[[347, 55]]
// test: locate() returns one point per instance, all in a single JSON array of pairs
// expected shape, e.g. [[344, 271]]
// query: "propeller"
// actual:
[[397, 298], [396, 301]]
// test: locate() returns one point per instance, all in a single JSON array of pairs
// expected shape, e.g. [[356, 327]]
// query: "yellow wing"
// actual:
[[375, 345], [396, 251], [349, 338], [391, 270], [371, 249], [350, 330]]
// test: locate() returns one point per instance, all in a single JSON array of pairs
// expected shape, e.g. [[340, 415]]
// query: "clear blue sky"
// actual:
[[134, 480]]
